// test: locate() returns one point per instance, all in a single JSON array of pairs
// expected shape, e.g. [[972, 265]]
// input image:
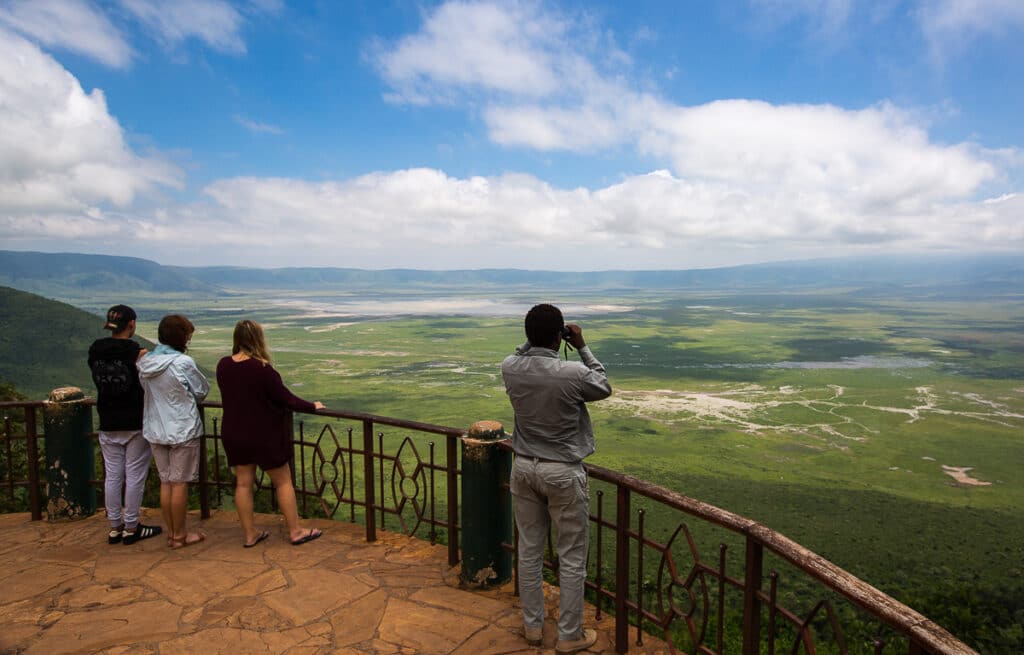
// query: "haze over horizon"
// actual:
[[519, 134]]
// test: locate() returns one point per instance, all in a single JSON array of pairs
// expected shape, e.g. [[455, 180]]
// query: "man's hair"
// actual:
[[174, 331], [118, 318], [544, 325]]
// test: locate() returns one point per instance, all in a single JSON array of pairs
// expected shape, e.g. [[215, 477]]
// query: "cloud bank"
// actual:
[[71, 25], [61, 152], [81, 27], [743, 178]]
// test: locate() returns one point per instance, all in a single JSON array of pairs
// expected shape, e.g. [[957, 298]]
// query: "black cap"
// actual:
[[118, 317]]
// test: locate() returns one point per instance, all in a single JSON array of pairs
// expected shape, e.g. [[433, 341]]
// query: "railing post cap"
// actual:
[[66, 395], [487, 431]]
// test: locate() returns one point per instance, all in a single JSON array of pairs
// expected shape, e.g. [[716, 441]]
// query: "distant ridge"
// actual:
[[66, 275], [959, 274], [72, 274]]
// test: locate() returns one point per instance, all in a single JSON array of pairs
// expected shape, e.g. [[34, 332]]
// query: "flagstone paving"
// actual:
[[63, 589]]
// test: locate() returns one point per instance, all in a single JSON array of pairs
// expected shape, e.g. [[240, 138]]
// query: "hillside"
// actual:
[[44, 343], [68, 275]]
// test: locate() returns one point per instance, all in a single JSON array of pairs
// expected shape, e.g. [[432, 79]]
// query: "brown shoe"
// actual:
[[587, 639], [534, 636]]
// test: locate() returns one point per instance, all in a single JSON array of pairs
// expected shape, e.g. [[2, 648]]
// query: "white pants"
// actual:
[[126, 458], [549, 493]]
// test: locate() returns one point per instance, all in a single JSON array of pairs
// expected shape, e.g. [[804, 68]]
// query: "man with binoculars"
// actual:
[[552, 435]]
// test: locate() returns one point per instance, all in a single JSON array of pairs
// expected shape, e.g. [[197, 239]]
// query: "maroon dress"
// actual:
[[255, 428]]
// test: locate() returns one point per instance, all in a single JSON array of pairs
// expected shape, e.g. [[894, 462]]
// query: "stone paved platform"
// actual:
[[64, 590]]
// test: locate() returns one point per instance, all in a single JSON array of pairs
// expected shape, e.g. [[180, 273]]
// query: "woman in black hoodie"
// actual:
[[126, 455]]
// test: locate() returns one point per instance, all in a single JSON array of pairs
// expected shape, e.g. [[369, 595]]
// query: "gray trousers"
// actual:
[[126, 458], [549, 493]]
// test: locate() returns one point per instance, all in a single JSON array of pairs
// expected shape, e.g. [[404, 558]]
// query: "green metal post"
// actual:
[[67, 424], [486, 506]]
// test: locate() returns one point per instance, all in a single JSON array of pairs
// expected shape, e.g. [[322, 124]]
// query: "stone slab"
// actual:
[[315, 593], [479, 604], [100, 595], [32, 579], [360, 620], [261, 584], [114, 566], [426, 629], [494, 641], [197, 580], [16, 636], [91, 631]]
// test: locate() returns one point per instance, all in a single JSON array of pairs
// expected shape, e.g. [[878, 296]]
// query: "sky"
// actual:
[[596, 135]]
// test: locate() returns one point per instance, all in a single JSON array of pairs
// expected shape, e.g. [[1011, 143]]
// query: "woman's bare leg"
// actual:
[[285, 492], [165, 509], [179, 509], [245, 479]]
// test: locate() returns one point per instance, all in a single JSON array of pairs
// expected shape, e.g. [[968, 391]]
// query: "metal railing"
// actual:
[[370, 469]]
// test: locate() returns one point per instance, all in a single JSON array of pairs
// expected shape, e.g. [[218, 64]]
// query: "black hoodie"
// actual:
[[120, 396]]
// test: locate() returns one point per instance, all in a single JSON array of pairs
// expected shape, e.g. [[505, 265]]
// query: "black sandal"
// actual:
[[115, 534]]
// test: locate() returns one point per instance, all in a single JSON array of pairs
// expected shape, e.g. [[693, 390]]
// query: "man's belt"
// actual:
[[545, 460]]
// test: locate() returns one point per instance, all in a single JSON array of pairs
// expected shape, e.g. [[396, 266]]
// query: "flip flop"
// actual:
[[310, 536], [260, 537]]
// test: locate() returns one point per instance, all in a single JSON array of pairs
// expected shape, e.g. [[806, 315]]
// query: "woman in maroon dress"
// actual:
[[256, 430]]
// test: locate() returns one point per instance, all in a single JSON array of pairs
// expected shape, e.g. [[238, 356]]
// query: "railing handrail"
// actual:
[[376, 419], [895, 614], [4, 404]]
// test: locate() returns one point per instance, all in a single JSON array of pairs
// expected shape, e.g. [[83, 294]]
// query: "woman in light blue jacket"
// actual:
[[171, 422]]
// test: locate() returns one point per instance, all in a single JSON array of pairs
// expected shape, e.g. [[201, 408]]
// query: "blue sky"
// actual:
[[545, 135]]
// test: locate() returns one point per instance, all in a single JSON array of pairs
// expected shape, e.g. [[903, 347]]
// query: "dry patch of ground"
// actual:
[[745, 408], [959, 473], [327, 328]]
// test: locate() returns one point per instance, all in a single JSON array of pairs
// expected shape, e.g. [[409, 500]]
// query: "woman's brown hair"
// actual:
[[249, 339], [175, 331]]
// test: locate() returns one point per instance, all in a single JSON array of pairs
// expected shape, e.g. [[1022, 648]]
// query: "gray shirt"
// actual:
[[548, 396]]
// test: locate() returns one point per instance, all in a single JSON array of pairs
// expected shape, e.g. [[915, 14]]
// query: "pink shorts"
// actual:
[[178, 463]]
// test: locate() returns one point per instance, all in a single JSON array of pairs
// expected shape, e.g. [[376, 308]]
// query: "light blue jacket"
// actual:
[[174, 387]]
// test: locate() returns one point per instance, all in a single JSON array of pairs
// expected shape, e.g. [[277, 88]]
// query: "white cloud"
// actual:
[[257, 127], [949, 25], [741, 170], [861, 158], [72, 25], [516, 49], [82, 27], [827, 19], [485, 45], [60, 149], [215, 22], [424, 217]]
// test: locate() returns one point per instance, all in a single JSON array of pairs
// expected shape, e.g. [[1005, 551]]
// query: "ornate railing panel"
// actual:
[[652, 575], [382, 472]]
